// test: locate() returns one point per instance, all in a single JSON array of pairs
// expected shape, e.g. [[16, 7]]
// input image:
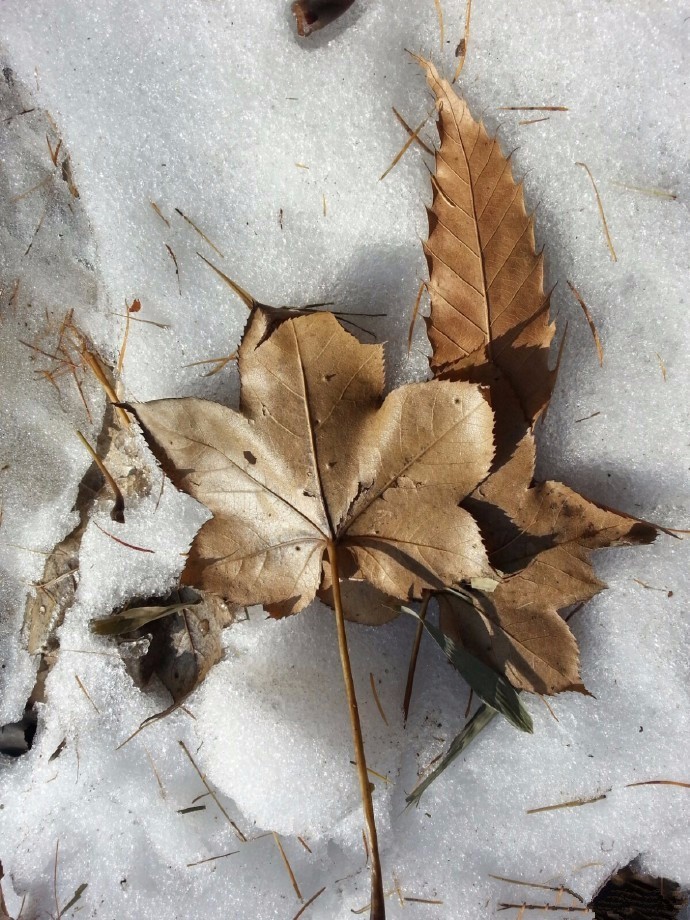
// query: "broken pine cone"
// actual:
[[312, 15]]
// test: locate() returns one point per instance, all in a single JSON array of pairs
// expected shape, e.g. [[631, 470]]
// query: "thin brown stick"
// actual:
[[376, 698], [409, 900], [34, 188], [86, 693], [118, 512], [99, 374], [415, 654], [590, 321], [293, 880], [415, 313], [609, 241], [378, 907], [534, 121], [464, 42], [220, 362], [308, 903], [155, 772], [202, 777], [406, 146], [200, 232]]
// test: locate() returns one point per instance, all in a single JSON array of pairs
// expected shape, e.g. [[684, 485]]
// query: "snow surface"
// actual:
[[211, 106]]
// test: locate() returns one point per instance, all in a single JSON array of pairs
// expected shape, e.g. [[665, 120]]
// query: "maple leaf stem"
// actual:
[[378, 909]]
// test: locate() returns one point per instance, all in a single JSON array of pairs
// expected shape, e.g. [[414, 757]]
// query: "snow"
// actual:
[[210, 107]]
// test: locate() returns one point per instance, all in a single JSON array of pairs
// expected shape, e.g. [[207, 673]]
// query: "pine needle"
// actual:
[[118, 512], [575, 803], [200, 232], [661, 365], [213, 795], [534, 121], [200, 862], [411, 133], [308, 903], [464, 42], [590, 321], [177, 268], [515, 881], [159, 213], [415, 313], [376, 698], [305, 844], [660, 782], [408, 143], [441, 29], [415, 654], [141, 549], [609, 241], [652, 192], [86, 693], [288, 866], [534, 108]]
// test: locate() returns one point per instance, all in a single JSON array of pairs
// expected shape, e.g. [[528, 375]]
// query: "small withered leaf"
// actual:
[[329, 463], [488, 305], [312, 15]]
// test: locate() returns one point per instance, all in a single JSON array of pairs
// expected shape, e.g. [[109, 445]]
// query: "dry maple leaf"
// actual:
[[314, 459]]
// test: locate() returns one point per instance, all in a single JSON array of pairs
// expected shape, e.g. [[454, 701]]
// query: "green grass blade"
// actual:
[[476, 724], [490, 686]]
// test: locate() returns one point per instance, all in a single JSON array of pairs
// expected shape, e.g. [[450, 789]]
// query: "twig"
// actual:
[[523, 907], [534, 121], [609, 241], [213, 795], [378, 908], [590, 321], [305, 844]]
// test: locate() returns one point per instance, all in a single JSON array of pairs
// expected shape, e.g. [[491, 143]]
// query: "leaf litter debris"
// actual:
[[430, 496]]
